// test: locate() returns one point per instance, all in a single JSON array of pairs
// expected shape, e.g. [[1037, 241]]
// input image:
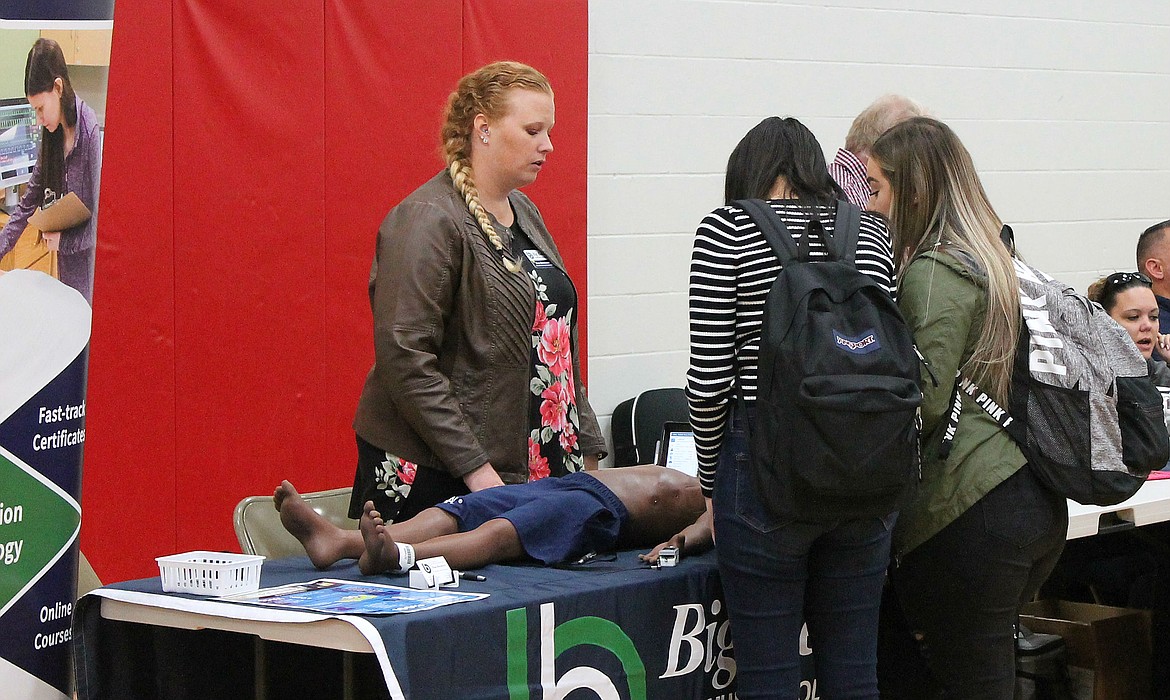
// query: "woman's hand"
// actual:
[[483, 478], [52, 240], [1164, 343], [695, 538]]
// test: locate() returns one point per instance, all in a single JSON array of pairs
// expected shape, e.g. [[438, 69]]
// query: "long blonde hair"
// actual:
[[483, 91], [938, 200]]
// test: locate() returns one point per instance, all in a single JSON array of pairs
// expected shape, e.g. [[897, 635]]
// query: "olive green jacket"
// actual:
[[944, 302]]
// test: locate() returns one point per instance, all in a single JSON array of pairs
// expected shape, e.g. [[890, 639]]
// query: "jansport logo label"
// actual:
[[862, 344]]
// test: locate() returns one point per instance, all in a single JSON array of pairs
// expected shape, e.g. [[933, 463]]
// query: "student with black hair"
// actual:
[[776, 573]]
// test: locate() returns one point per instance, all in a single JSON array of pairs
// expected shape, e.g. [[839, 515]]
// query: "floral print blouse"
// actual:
[[552, 440]]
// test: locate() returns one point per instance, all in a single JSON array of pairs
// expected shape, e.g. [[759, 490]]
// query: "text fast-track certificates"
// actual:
[[338, 597]]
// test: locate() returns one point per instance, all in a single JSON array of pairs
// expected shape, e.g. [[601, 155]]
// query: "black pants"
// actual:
[[371, 482], [960, 593]]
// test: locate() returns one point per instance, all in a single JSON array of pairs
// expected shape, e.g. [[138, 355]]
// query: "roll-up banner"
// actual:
[[54, 65]]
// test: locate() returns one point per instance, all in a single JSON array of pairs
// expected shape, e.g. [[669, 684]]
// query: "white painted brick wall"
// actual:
[[1064, 107]]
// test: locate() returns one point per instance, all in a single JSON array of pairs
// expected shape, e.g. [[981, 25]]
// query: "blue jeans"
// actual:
[[778, 574]]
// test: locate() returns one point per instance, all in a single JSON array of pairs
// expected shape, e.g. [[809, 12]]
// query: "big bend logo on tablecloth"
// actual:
[[602, 658]]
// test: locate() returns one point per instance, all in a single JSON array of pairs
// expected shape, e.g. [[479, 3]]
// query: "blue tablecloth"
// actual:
[[611, 625]]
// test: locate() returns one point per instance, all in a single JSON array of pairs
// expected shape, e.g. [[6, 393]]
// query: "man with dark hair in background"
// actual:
[[848, 166], [1153, 261]]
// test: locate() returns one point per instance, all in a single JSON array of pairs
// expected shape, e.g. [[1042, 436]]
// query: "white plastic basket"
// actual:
[[210, 573]]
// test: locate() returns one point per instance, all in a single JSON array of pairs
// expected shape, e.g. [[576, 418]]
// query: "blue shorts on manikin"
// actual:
[[558, 519]]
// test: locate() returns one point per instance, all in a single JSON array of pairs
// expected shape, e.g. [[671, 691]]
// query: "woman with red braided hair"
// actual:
[[476, 379]]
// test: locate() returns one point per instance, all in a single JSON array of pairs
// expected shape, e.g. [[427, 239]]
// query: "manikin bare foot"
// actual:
[[381, 553], [324, 542]]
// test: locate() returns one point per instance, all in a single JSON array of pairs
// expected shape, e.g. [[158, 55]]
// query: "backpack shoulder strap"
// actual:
[[964, 384], [773, 228], [1009, 239], [846, 231]]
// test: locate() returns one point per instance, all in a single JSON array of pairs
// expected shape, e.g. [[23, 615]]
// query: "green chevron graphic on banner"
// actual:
[[37, 523]]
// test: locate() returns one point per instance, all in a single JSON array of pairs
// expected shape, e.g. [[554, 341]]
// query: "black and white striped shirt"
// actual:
[[732, 271]]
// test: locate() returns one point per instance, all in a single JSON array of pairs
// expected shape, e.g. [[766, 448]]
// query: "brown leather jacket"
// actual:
[[452, 340]]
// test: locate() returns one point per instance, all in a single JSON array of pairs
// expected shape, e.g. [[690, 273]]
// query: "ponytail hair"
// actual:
[[483, 91], [46, 64]]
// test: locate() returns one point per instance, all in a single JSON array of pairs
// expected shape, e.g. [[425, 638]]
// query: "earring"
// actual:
[[483, 137]]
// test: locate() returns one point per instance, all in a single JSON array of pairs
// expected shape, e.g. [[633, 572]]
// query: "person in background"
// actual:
[[1129, 299], [848, 166], [1153, 261], [776, 573], [476, 379], [1130, 568], [69, 160], [982, 533]]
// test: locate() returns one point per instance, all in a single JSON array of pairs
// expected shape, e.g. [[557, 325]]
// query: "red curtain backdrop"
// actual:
[[251, 150]]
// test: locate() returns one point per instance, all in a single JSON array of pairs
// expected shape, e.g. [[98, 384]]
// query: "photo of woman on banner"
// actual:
[[67, 170], [476, 380]]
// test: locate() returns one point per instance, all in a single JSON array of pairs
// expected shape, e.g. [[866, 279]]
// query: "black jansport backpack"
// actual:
[[836, 429], [1082, 408]]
